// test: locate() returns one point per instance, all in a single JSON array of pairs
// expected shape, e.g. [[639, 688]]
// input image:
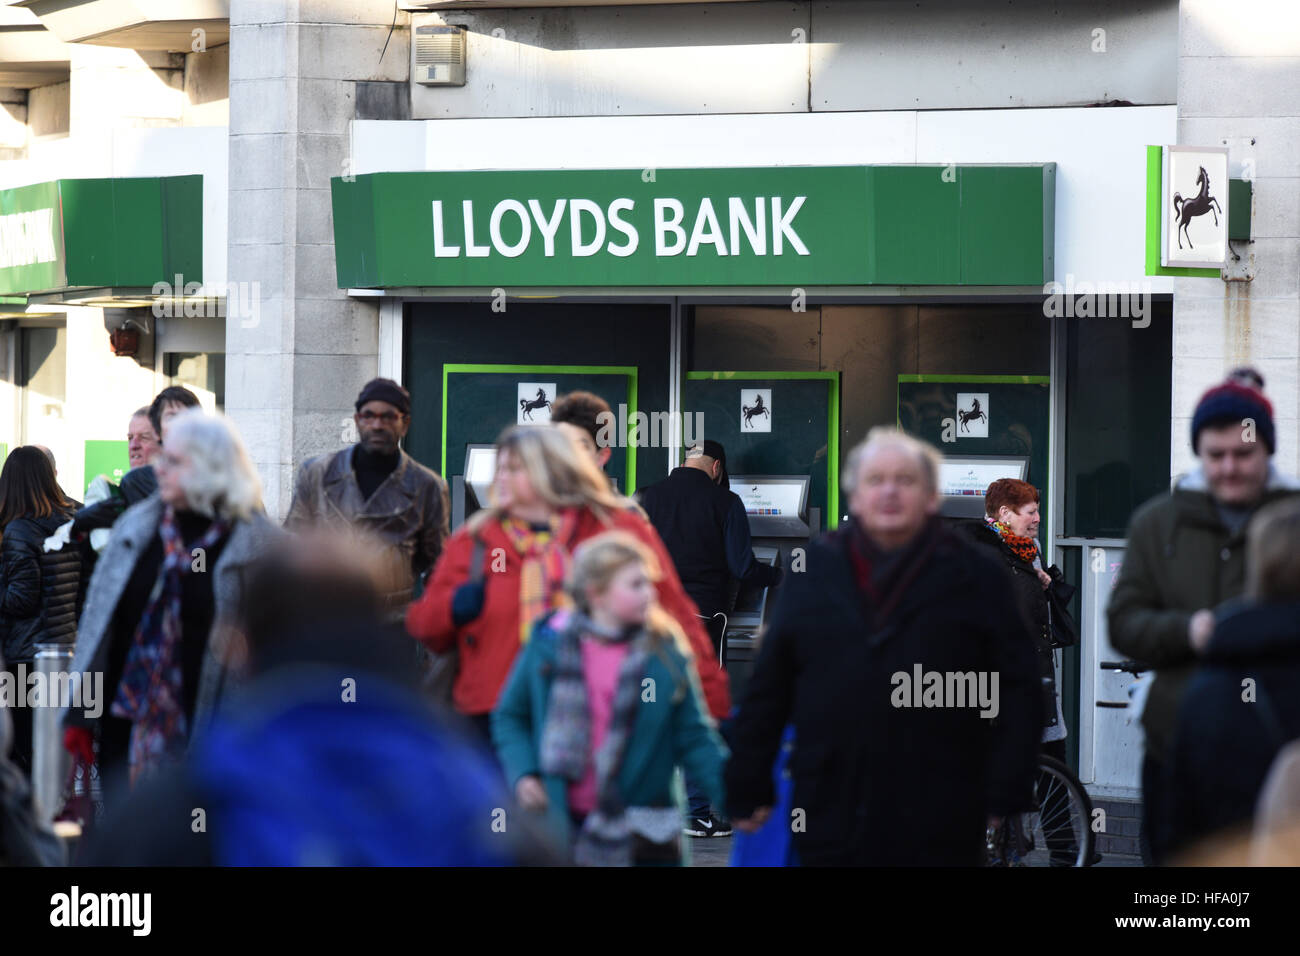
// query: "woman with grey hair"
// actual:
[[163, 592]]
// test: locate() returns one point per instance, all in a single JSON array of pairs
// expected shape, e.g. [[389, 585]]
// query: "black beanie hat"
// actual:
[[385, 390]]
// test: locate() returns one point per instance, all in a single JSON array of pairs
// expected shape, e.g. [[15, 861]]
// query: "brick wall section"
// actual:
[[1123, 822]]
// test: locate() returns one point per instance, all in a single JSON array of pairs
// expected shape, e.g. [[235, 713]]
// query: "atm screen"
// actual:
[[772, 495], [971, 475], [480, 469], [963, 479]]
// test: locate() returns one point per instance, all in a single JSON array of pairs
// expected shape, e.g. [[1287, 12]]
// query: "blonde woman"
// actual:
[[600, 707], [167, 582], [547, 497]]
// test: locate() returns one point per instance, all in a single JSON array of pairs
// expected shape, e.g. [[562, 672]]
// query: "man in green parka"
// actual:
[[1185, 561]]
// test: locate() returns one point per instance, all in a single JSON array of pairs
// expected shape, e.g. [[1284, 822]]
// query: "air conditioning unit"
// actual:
[[439, 56]]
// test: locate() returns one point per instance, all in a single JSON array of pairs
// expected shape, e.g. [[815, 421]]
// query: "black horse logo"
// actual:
[[1187, 209], [971, 415], [527, 407], [753, 411]]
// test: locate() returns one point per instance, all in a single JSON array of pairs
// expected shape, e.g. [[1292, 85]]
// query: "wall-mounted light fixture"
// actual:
[[124, 341]]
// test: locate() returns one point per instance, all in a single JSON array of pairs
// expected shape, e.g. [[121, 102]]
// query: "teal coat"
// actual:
[[670, 730]]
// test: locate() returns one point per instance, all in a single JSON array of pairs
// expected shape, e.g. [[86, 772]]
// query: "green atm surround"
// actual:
[[1034, 397], [568, 378], [708, 387]]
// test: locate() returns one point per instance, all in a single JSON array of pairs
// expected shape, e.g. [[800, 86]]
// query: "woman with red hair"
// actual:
[[1009, 534]]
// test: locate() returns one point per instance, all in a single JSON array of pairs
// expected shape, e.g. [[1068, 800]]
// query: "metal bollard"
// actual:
[[50, 762]]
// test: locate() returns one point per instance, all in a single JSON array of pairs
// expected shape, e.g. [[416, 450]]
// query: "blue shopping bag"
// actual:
[[772, 844]]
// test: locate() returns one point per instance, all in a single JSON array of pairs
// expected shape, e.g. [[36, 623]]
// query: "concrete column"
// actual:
[[294, 369], [1238, 82]]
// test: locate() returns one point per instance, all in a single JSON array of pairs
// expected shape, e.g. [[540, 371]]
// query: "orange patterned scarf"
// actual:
[[545, 565], [1026, 549]]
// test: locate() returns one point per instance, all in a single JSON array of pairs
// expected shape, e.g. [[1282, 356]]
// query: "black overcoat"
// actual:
[[875, 783]]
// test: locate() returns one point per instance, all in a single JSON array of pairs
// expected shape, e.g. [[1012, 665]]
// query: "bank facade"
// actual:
[[689, 207]]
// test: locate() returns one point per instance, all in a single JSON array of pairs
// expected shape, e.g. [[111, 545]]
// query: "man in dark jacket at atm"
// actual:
[[705, 529]]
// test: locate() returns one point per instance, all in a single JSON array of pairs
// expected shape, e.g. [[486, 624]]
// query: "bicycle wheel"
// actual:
[[1060, 829]]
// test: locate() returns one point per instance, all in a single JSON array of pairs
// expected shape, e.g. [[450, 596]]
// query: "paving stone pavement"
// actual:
[[709, 851]]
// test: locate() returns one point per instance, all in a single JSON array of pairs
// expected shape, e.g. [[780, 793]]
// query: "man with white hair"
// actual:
[[144, 441], [865, 655]]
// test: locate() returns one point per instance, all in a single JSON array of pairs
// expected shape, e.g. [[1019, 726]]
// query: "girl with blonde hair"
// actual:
[[599, 708]]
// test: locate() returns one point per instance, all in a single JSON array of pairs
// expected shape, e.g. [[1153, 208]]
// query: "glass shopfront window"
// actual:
[[43, 377], [203, 373], [1117, 413]]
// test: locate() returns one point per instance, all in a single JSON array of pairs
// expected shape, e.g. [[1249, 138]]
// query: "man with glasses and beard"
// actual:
[[376, 488]]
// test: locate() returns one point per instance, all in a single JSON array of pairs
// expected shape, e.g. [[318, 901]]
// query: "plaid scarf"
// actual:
[[1026, 549], [545, 564], [150, 692], [606, 836]]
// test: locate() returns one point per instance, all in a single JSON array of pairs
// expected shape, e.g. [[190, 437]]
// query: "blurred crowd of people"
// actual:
[[547, 684]]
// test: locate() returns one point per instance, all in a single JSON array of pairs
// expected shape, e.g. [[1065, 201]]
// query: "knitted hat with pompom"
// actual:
[[1232, 404]]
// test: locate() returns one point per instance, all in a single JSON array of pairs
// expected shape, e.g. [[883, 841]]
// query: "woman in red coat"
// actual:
[[547, 497]]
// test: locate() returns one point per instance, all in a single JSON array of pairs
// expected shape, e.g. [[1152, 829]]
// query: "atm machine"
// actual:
[[779, 521], [469, 492], [963, 479]]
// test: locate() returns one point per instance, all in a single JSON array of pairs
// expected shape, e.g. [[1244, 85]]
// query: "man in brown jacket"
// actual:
[[377, 488], [1185, 559]]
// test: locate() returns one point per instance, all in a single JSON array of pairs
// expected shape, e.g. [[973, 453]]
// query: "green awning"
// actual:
[[100, 233]]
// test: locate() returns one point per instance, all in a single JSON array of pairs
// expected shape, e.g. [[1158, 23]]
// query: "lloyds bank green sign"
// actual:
[[783, 226]]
